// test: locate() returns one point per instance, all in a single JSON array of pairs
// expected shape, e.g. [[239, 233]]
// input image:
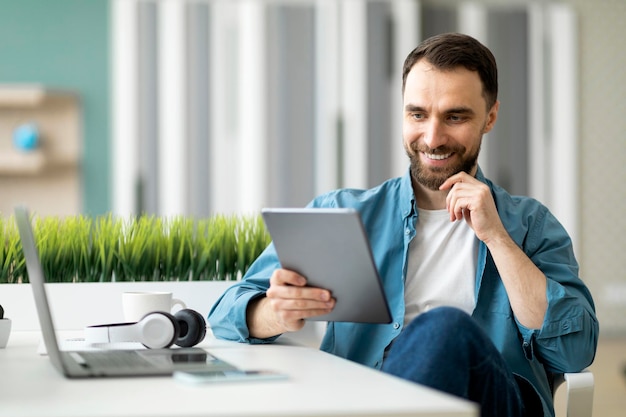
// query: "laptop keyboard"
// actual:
[[112, 359]]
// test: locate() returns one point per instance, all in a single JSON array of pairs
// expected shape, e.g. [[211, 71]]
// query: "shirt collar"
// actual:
[[408, 197], [480, 176]]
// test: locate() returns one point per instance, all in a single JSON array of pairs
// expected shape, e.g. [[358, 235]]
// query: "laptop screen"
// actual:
[[37, 280]]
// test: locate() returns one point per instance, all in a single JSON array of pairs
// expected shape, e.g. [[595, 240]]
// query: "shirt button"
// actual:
[[565, 325], [407, 232], [396, 326]]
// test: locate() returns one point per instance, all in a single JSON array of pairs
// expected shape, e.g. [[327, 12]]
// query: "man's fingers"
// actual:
[[291, 285], [454, 179], [300, 298], [300, 305], [287, 277], [292, 312]]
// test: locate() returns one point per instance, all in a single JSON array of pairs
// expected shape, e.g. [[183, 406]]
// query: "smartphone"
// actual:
[[233, 375]]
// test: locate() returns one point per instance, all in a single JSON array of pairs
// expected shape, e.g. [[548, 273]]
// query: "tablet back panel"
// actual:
[[330, 248]]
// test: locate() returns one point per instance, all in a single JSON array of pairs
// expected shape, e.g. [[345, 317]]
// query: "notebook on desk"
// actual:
[[102, 363]]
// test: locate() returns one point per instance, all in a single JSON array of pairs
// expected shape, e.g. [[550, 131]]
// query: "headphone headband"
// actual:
[[155, 330]]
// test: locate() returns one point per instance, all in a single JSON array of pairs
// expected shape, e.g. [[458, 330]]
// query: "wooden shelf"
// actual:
[[28, 95], [46, 178], [22, 163]]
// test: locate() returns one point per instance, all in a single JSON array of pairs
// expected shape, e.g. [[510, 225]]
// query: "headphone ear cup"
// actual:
[[192, 328], [158, 330]]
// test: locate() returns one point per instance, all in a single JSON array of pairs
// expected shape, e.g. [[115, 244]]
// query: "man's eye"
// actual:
[[454, 118], [417, 116]]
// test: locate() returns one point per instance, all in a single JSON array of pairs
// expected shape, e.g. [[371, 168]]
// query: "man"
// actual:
[[483, 286]]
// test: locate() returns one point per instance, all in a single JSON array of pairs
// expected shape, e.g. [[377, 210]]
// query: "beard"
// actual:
[[433, 177]]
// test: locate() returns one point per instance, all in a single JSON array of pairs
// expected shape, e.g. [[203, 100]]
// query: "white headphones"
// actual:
[[155, 330]]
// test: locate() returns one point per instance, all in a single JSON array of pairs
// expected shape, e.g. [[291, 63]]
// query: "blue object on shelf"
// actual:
[[26, 137]]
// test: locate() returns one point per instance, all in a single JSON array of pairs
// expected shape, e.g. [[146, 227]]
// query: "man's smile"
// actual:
[[437, 156]]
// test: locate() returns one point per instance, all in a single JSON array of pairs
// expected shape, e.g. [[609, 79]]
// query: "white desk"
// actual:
[[319, 384]]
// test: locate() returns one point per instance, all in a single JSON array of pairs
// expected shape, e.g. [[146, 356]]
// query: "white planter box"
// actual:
[[75, 306]]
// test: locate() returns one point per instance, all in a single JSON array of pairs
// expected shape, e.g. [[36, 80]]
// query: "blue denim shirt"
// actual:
[[566, 341]]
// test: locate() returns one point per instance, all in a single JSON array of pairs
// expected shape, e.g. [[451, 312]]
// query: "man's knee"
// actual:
[[431, 350], [441, 329], [450, 315], [444, 319]]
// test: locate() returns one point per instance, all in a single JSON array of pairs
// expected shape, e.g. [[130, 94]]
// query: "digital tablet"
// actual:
[[329, 247]]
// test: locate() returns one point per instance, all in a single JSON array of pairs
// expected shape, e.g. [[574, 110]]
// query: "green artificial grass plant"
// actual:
[[143, 248]]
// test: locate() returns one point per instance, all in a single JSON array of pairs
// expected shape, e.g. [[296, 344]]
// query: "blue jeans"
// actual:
[[445, 349]]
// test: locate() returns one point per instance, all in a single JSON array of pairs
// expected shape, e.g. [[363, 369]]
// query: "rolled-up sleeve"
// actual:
[[227, 317], [568, 338]]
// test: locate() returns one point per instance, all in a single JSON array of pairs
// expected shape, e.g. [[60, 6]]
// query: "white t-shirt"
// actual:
[[441, 268]]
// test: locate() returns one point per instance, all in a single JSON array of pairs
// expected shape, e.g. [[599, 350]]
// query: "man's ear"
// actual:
[[492, 116]]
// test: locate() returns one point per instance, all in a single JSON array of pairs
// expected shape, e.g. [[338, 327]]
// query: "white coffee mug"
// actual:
[[137, 304]]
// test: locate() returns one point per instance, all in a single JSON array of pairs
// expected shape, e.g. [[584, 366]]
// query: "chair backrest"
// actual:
[[580, 387]]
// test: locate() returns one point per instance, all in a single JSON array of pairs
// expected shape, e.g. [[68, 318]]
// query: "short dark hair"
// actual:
[[450, 50]]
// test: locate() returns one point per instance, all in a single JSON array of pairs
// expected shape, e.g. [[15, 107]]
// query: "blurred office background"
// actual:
[[194, 107]]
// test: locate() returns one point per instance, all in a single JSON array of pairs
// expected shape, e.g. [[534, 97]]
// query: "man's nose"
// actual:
[[434, 134]]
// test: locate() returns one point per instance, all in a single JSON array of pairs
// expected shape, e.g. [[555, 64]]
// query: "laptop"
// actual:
[[102, 363], [329, 247]]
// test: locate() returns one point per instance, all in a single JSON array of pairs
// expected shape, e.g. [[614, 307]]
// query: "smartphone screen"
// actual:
[[233, 375]]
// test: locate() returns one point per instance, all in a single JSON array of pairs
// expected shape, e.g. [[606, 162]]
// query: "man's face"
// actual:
[[445, 117]]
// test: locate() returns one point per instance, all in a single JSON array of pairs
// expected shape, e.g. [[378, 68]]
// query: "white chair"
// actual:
[[579, 386]]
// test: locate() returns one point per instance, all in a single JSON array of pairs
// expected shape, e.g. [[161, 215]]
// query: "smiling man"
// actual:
[[483, 286], [445, 117]]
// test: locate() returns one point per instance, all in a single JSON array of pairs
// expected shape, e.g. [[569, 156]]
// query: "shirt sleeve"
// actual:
[[227, 317], [568, 338]]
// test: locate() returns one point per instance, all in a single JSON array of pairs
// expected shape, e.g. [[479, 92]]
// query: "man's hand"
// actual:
[[287, 303], [525, 284], [471, 200]]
